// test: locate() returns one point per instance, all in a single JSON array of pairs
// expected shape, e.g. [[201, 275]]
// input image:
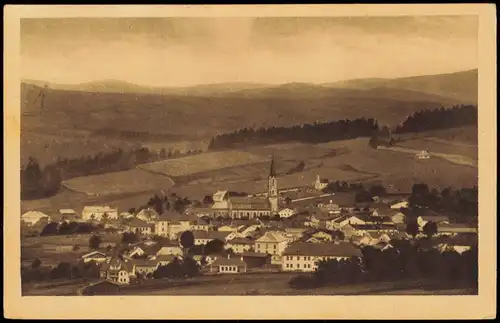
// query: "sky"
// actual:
[[189, 51]]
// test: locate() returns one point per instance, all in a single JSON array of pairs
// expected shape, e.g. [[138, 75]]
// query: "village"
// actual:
[[279, 231]]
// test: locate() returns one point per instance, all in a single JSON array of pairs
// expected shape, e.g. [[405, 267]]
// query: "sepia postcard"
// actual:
[[250, 162]]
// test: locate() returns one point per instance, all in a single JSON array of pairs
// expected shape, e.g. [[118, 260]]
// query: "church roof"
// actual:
[[249, 203], [272, 171]]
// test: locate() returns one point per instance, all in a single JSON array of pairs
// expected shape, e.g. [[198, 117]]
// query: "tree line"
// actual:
[[40, 182], [405, 261], [308, 133], [439, 118]]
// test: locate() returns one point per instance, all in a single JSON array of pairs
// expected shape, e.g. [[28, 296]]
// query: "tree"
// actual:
[[129, 237], [214, 246], [50, 229], [430, 229], [186, 241], [36, 263], [378, 190], [412, 228], [94, 241]]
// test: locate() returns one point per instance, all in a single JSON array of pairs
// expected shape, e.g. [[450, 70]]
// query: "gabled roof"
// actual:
[[272, 236], [341, 249], [144, 263], [200, 234], [223, 261], [148, 214], [94, 254], [241, 241], [34, 214]]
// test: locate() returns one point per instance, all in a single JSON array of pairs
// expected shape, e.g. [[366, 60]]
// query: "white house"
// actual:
[[117, 271], [273, 243], [33, 217], [229, 265], [98, 212], [303, 256], [287, 212]]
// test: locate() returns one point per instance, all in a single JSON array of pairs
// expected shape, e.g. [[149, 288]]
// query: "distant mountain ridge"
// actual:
[[459, 87]]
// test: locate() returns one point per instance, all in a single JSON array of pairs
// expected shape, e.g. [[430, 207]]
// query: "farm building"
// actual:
[[98, 212], [31, 218], [171, 224], [303, 256]]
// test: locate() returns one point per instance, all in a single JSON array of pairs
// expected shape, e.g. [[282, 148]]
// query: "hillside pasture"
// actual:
[[435, 145], [201, 163], [130, 181]]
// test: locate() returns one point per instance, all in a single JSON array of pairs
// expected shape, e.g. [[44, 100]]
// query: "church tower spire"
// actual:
[[272, 192]]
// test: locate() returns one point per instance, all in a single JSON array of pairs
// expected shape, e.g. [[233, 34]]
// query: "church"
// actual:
[[238, 207]]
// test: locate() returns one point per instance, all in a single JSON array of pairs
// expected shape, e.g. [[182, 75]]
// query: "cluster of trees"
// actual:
[[462, 201], [161, 204], [439, 118], [362, 194], [65, 228], [211, 247], [309, 133], [404, 261], [381, 137], [40, 182], [177, 268], [64, 270]]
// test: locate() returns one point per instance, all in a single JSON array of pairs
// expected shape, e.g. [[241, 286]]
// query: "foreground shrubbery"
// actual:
[[177, 268], [404, 261], [63, 270]]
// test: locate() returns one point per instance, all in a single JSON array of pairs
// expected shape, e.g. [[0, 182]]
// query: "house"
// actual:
[[164, 260], [136, 251], [320, 183], [273, 243], [240, 245], [341, 221], [144, 267], [95, 256], [99, 212], [31, 218], [117, 271], [361, 240], [229, 265], [422, 155], [438, 219], [201, 225], [287, 212], [319, 236], [147, 215], [204, 237], [303, 256], [174, 250], [330, 207], [398, 204], [363, 229], [171, 225], [138, 226], [68, 215]]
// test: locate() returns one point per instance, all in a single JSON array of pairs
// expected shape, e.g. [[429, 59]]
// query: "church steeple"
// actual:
[[272, 171], [272, 193]]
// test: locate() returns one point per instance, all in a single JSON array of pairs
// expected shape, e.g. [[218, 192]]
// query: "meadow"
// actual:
[[130, 181]]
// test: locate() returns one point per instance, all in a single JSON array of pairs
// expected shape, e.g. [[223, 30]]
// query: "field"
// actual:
[[130, 181], [348, 160], [200, 163]]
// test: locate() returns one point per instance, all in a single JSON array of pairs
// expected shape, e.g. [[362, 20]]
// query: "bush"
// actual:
[[303, 281]]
